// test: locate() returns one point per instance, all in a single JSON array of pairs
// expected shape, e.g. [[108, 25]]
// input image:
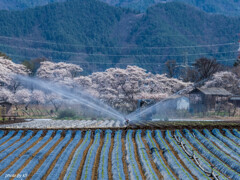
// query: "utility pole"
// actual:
[[186, 60], [186, 64], [237, 62], [239, 48]]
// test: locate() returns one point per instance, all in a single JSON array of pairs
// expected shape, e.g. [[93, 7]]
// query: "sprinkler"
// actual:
[[126, 121]]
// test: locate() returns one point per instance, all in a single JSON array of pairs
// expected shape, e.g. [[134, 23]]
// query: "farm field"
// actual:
[[120, 154], [58, 124]]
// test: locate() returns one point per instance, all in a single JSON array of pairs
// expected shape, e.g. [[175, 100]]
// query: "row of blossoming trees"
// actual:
[[120, 88]]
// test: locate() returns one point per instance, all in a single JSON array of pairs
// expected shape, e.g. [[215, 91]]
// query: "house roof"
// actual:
[[235, 98], [174, 97], [213, 91], [4, 102]]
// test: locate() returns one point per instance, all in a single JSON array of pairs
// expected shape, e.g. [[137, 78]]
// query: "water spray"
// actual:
[[80, 97]]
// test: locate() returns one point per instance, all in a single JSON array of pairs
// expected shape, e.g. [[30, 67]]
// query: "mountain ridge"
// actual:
[[230, 7], [24, 4], [90, 32]]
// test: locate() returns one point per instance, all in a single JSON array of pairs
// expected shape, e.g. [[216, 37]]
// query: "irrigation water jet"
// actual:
[[80, 97], [163, 106], [87, 100]]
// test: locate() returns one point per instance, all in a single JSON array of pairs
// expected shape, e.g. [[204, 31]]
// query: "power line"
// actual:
[[79, 62], [188, 35], [115, 55], [124, 47]]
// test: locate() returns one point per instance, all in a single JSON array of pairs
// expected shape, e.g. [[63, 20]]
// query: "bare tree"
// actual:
[[206, 68], [237, 62], [33, 64], [189, 74], [236, 70], [202, 69], [171, 68]]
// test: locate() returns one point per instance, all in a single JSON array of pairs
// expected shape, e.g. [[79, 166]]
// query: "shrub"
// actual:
[[65, 114]]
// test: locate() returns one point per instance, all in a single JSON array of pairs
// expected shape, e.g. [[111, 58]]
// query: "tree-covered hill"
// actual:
[[98, 36], [226, 7], [24, 4], [84, 23], [176, 25]]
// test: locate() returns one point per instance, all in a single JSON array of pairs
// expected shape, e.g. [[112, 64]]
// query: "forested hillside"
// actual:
[[24, 4], [177, 25], [98, 36], [226, 7], [229, 7]]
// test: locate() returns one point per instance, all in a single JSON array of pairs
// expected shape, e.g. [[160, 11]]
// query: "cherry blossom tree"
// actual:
[[8, 72], [54, 99], [6, 95], [22, 97], [226, 80], [121, 88], [58, 71], [83, 81], [38, 97], [118, 86]]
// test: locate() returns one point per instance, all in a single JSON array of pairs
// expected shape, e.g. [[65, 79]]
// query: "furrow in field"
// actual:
[[190, 164], [137, 157], [117, 163], [226, 141], [124, 156], [32, 158], [53, 164], [151, 159], [199, 159], [80, 169], [26, 157], [15, 141], [77, 160], [144, 159], [8, 138], [62, 174], [87, 171], [17, 148], [110, 175], [211, 145], [97, 159], [42, 160], [5, 168], [179, 159], [215, 160], [164, 159], [103, 161], [231, 136]]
